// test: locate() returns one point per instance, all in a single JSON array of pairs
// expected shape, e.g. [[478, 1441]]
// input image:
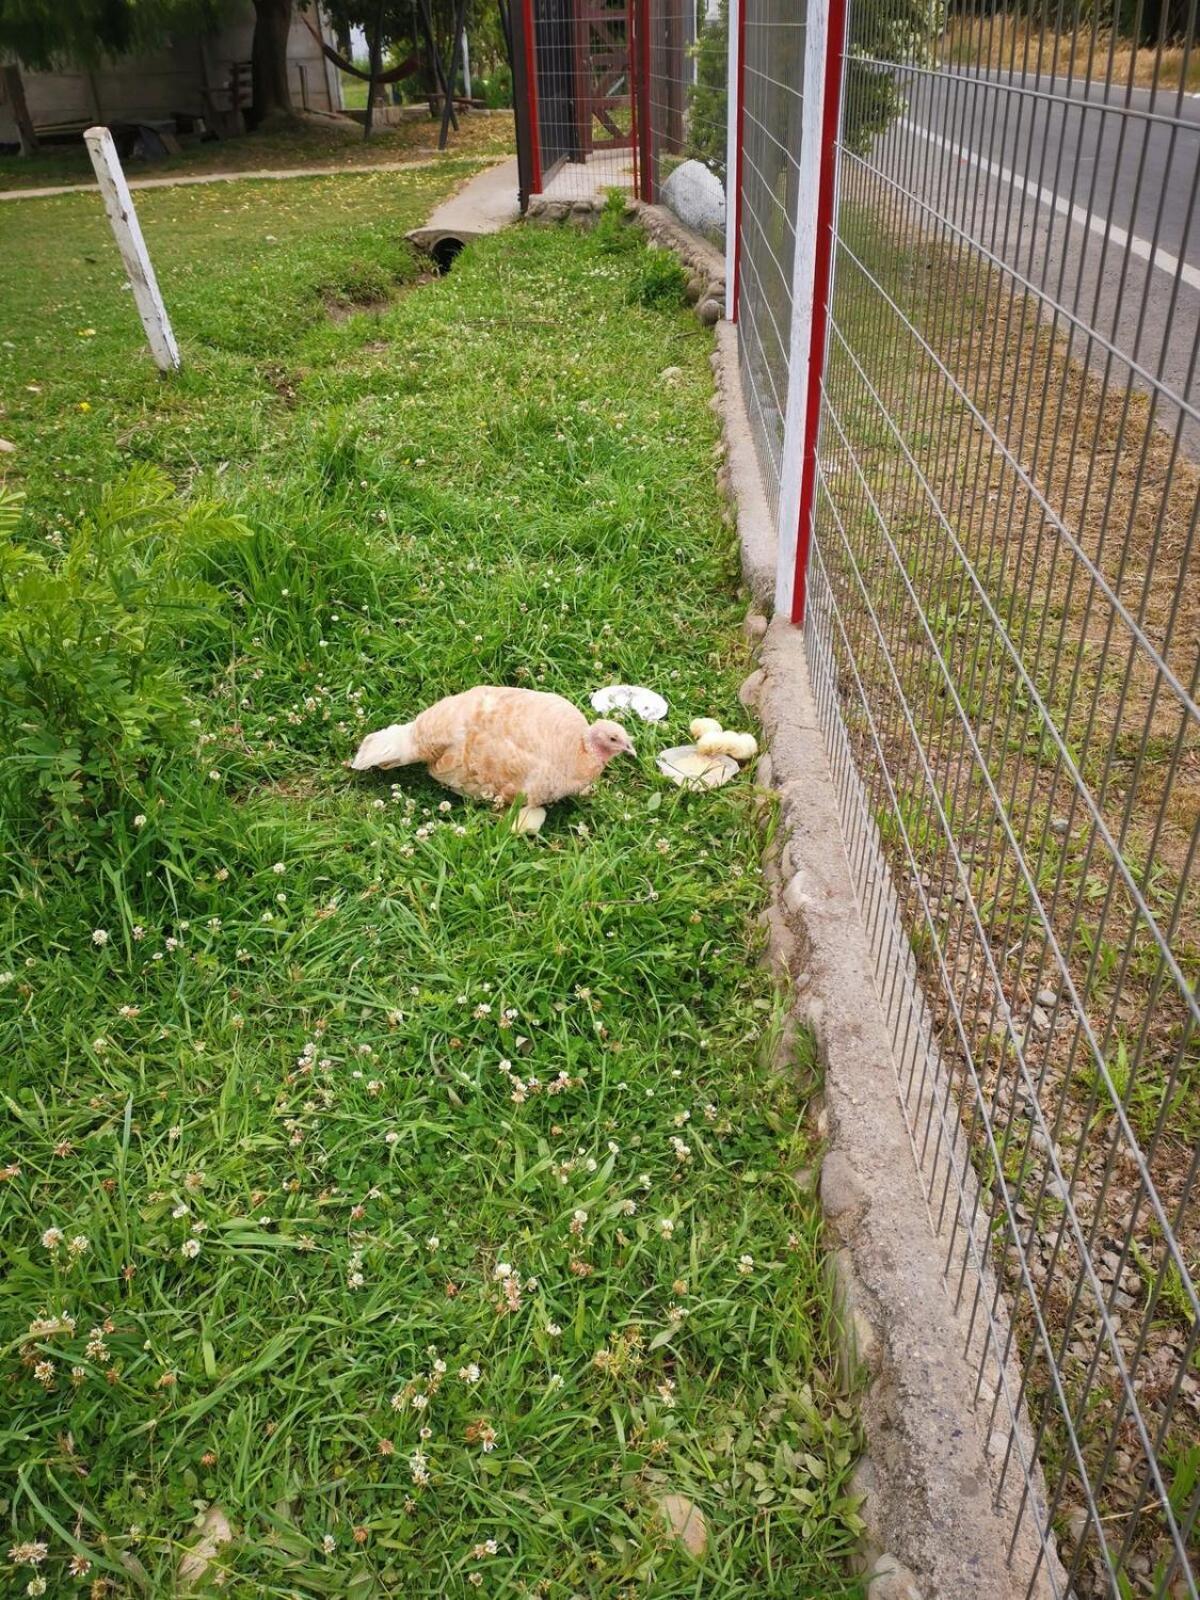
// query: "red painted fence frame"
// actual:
[[835, 53], [531, 90]]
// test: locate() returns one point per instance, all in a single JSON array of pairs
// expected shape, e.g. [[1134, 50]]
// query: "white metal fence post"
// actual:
[[816, 44], [733, 154], [118, 203]]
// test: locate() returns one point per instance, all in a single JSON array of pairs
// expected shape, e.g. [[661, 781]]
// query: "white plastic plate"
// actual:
[[684, 765], [648, 705]]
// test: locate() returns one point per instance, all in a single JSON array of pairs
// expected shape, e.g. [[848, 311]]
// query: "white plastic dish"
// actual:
[[647, 704], [684, 765]]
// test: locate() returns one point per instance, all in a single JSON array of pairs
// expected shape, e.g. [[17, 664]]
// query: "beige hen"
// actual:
[[501, 744]]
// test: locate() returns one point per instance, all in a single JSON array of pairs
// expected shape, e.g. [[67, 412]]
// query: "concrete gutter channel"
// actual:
[[938, 1527]]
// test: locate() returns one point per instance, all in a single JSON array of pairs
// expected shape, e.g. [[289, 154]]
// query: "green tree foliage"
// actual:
[[709, 100], [880, 32], [42, 34]]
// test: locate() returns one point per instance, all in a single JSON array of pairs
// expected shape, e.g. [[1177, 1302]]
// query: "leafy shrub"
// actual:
[[91, 694], [660, 281], [708, 96], [902, 31], [613, 233], [497, 88]]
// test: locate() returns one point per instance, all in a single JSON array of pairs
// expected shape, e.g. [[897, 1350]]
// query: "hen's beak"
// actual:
[[629, 746]]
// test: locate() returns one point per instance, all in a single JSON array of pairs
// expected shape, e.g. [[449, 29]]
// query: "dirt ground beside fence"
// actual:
[[1112, 480]]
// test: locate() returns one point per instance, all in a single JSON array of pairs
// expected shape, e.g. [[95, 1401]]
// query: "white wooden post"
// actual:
[[466, 53], [733, 172], [119, 205], [816, 43]]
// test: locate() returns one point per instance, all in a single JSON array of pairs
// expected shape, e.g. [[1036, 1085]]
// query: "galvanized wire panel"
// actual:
[[1004, 631], [773, 78], [584, 74], [687, 106]]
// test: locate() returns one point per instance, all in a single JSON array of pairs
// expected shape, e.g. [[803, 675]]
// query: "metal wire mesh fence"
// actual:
[[1003, 629], [583, 97], [687, 85], [772, 107]]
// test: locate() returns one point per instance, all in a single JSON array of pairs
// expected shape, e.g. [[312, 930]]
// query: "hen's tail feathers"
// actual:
[[390, 747]]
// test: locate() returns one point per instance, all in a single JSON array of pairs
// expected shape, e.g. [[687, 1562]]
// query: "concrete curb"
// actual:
[[936, 1528]]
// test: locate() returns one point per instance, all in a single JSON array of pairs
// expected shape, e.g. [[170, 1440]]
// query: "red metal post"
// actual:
[[822, 272], [639, 68], [535, 136]]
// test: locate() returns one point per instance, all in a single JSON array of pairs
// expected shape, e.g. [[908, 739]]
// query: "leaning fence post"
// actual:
[[118, 203], [734, 123], [812, 264]]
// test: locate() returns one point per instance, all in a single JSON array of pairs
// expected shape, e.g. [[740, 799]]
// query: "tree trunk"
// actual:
[[14, 88], [375, 48], [269, 60]]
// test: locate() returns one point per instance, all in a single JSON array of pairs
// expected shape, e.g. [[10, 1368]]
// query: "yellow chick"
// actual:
[[698, 727], [741, 746]]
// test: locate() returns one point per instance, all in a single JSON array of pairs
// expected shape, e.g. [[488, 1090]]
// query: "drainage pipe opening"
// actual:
[[445, 252]]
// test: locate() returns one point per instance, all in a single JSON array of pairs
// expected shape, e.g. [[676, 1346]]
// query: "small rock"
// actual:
[[556, 210], [710, 312], [685, 1522], [892, 1581], [749, 691], [671, 375], [754, 625], [582, 208], [697, 197], [693, 289], [1040, 1019], [7, 447], [1059, 825], [1047, 997], [214, 1532], [1076, 1523]]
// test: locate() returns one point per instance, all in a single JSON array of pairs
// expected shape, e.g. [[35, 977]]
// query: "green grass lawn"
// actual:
[[316, 143], [424, 1196]]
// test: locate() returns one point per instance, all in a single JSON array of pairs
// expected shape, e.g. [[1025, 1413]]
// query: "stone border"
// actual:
[[705, 263], [935, 1527]]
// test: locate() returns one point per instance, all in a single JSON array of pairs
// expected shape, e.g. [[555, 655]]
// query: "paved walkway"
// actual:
[[255, 174], [485, 204]]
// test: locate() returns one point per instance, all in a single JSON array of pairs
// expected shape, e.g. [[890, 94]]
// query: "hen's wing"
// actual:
[[501, 743]]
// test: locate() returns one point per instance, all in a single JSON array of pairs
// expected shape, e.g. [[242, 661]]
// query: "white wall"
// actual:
[[155, 87]]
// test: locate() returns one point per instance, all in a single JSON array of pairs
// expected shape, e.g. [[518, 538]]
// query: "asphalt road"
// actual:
[[1091, 196]]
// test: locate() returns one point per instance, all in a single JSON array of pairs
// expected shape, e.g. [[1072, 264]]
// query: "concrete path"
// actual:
[[253, 175], [485, 204]]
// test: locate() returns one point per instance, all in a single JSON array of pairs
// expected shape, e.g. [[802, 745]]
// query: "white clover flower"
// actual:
[[100, 937], [666, 1227], [328, 1544], [52, 1238], [79, 1244], [190, 1249], [140, 820], [470, 1373], [279, 869], [745, 1265]]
